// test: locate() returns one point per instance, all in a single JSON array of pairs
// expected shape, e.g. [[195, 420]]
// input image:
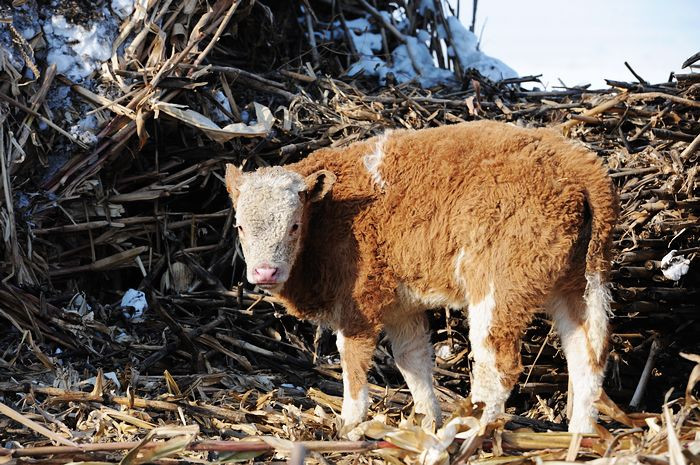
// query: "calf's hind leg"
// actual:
[[581, 319], [413, 354], [495, 330]]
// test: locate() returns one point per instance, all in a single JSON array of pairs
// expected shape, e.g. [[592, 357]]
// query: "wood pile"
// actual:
[[123, 303]]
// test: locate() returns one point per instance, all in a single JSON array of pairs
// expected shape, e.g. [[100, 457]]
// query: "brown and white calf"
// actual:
[[498, 220]]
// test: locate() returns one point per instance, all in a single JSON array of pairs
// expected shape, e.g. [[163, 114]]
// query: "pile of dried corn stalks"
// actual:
[[213, 365]]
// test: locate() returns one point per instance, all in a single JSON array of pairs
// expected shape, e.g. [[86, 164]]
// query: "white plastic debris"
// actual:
[[110, 375], [674, 266], [79, 305], [136, 300], [444, 351]]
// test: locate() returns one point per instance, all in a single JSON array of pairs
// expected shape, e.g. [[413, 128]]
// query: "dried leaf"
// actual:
[[262, 127]]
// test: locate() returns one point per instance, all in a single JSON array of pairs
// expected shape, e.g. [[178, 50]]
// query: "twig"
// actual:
[[646, 374], [693, 58], [257, 445], [472, 26], [600, 108], [639, 78], [36, 101], [26, 109], [107, 263], [18, 417], [672, 98], [217, 34], [690, 149], [312, 37], [390, 27]]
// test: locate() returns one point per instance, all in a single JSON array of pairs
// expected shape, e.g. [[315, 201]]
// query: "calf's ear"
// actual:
[[319, 184], [233, 181]]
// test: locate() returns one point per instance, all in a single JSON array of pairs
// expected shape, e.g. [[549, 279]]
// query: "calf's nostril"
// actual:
[[265, 273]]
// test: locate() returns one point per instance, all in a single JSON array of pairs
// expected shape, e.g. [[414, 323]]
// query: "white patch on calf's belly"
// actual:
[[373, 161]]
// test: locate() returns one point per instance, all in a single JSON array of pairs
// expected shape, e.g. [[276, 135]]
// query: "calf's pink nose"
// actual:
[[264, 274]]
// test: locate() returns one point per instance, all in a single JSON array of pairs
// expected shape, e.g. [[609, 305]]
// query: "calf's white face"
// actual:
[[271, 205]]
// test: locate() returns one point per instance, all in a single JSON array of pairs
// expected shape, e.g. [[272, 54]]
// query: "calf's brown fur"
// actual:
[[494, 219]]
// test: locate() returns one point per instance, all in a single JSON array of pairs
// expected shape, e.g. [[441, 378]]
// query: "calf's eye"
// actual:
[[295, 226]]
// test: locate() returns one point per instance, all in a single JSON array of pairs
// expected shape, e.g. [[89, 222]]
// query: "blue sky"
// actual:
[[587, 41]]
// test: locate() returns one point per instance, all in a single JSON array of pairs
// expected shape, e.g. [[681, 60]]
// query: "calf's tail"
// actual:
[[602, 203]]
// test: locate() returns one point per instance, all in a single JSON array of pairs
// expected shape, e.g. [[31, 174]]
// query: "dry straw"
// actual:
[[213, 369]]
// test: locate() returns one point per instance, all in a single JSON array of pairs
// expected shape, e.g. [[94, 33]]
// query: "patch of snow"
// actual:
[[413, 59], [28, 32], [360, 24], [6, 52], [75, 50], [674, 266], [122, 337], [215, 112], [471, 58], [423, 35], [367, 65], [425, 71], [136, 300], [23, 200], [123, 8], [429, 74], [366, 43], [85, 130], [25, 19]]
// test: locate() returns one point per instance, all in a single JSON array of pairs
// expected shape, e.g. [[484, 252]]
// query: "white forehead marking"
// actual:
[[274, 179], [269, 188]]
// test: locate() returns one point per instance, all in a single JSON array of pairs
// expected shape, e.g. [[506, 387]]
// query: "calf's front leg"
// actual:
[[413, 354], [356, 352]]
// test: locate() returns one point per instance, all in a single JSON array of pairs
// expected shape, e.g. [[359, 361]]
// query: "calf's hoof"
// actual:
[[432, 414], [349, 419], [582, 425]]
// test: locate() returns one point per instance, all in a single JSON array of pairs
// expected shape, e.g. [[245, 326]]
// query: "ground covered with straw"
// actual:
[[129, 334]]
